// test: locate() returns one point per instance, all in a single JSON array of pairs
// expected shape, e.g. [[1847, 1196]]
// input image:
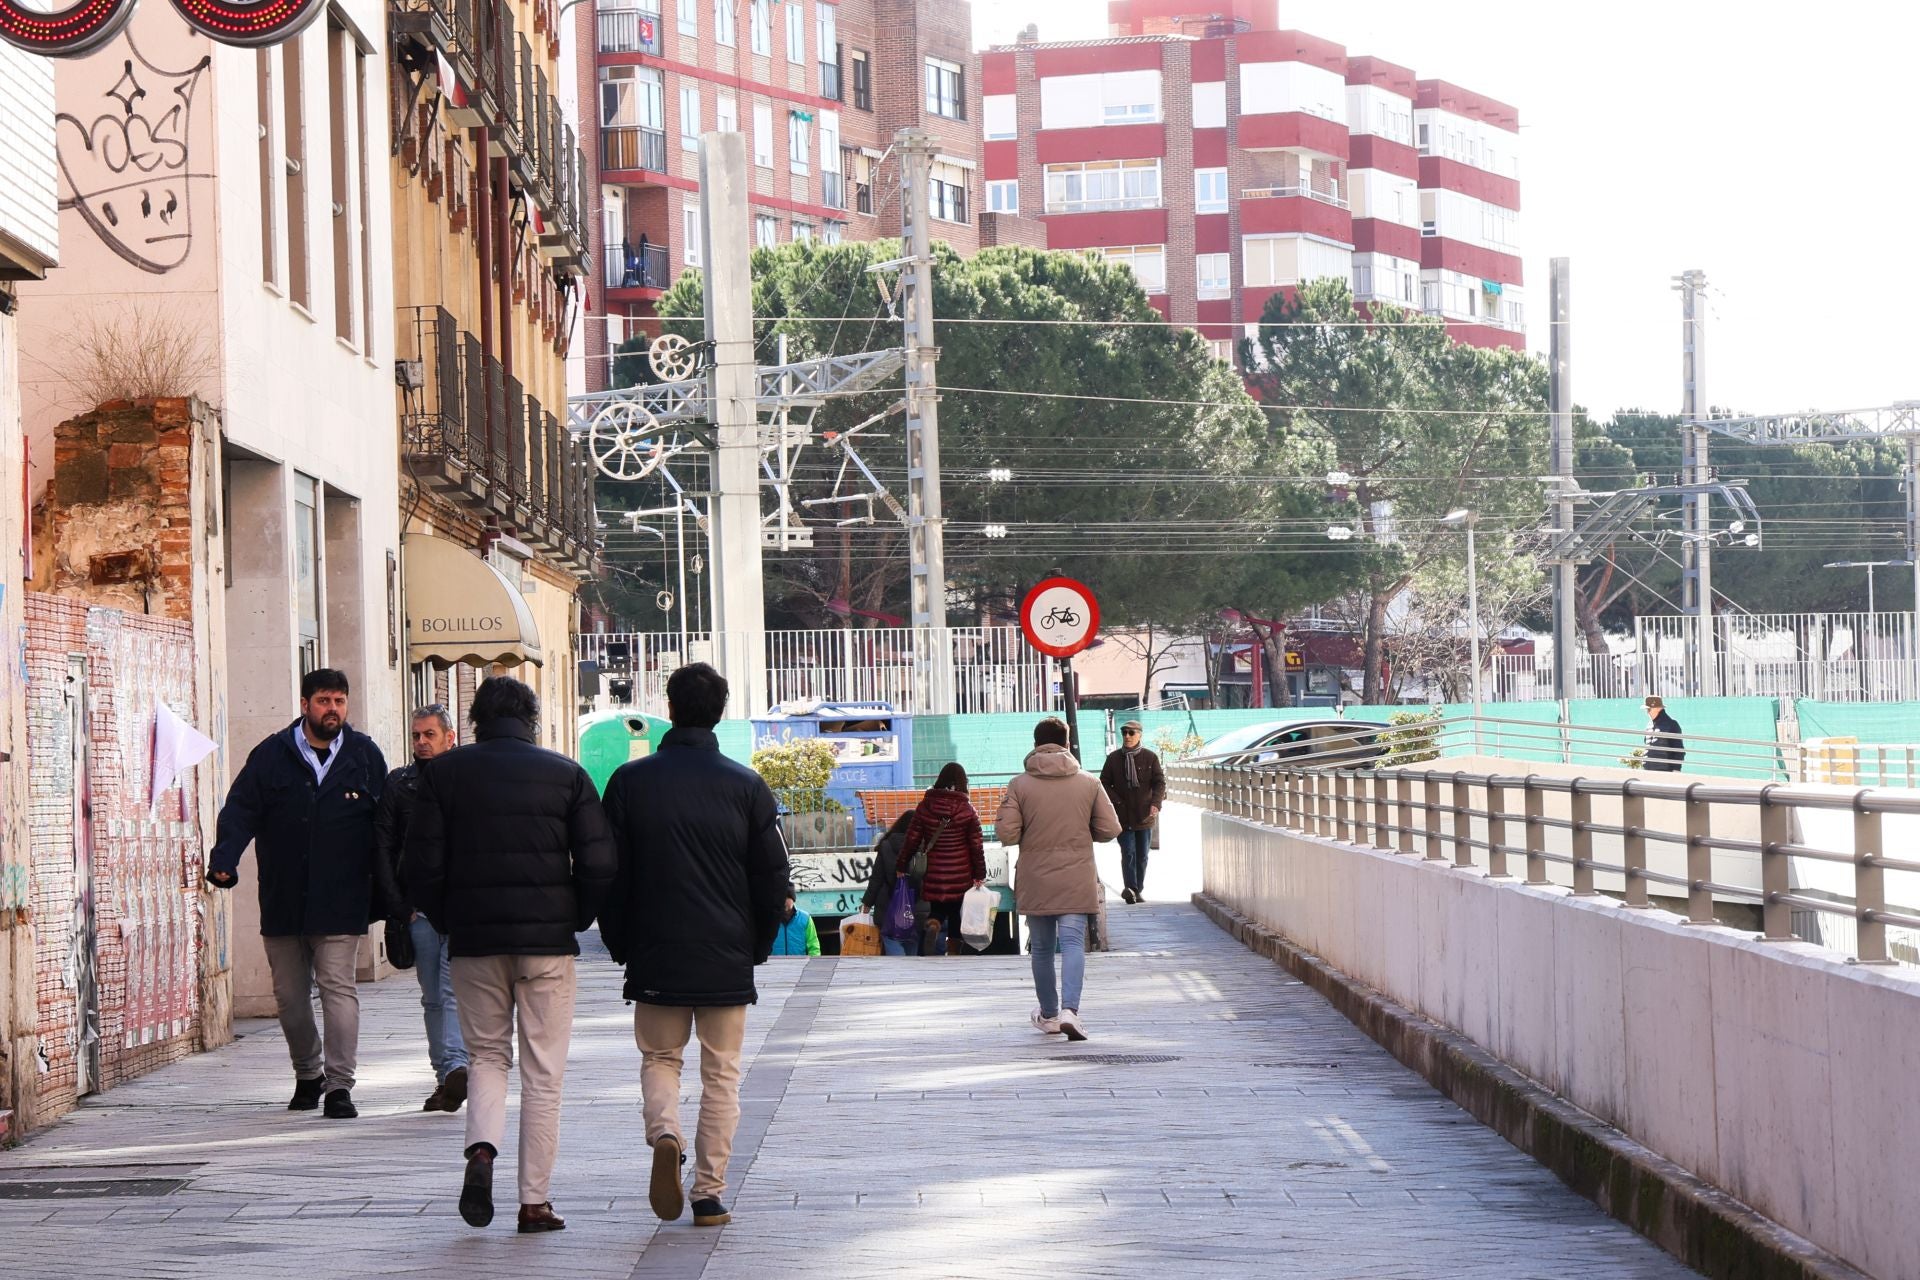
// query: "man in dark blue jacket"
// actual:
[[305, 800], [700, 891]]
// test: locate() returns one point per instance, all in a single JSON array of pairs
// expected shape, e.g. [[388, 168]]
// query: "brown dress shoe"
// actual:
[[436, 1101], [540, 1217]]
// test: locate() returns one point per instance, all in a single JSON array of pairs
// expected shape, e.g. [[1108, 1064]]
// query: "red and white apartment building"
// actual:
[[1225, 160], [818, 88]]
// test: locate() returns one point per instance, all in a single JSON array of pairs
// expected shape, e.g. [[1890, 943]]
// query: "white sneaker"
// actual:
[[1069, 1022], [1050, 1026]]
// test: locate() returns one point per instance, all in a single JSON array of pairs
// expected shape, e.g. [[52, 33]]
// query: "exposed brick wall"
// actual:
[[118, 522], [158, 953], [1012, 229]]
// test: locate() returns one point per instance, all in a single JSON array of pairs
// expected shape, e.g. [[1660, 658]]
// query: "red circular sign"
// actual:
[[1060, 617]]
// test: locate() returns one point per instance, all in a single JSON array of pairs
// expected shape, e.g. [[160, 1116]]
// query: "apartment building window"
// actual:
[[340, 190], [726, 114], [1099, 98], [1393, 124], [833, 184], [293, 117], [306, 569], [723, 22], [263, 104], [802, 233], [1103, 184], [1429, 215], [760, 27], [362, 62], [998, 119], [1222, 349], [690, 232], [1209, 190], [1213, 274], [1268, 261], [1424, 132], [946, 89], [687, 16], [947, 192], [766, 230], [862, 81], [831, 232], [1148, 262], [763, 135], [796, 33], [1003, 197], [689, 117], [799, 143], [826, 36], [1496, 226], [1130, 98]]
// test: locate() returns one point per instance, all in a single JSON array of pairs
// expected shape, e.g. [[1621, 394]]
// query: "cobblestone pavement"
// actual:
[[900, 1119]]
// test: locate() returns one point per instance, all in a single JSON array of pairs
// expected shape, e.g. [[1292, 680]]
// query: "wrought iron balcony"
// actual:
[[473, 437], [641, 265]]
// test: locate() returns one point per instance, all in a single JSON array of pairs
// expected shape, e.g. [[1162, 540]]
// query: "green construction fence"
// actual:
[[1866, 721]]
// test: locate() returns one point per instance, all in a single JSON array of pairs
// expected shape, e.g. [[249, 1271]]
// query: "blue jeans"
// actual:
[[445, 1049], [1133, 858], [1068, 936]]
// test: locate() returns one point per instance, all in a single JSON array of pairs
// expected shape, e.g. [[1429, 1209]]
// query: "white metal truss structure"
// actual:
[[1615, 512], [1888, 422]]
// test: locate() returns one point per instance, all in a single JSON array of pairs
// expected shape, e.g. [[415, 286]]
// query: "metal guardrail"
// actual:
[[1377, 805]]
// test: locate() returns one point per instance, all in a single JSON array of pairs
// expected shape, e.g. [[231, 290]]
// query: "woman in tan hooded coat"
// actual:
[[1054, 812]]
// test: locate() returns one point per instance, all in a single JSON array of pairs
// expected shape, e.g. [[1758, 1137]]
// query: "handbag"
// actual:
[[399, 935], [859, 936], [917, 864]]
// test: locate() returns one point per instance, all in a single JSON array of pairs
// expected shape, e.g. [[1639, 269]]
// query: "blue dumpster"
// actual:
[[873, 745]]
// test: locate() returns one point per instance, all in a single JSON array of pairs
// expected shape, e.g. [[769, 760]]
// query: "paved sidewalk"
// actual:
[[901, 1119]]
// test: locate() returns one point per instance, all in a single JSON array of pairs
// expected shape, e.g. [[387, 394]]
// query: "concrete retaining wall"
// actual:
[[1775, 1071]]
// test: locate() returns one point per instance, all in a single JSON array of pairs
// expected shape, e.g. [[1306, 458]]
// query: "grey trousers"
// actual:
[[329, 960]]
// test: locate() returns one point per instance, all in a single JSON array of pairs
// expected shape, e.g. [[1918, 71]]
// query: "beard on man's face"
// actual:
[[326, 726]]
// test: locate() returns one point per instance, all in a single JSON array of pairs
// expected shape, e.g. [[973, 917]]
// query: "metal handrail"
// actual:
[[1377, 806]]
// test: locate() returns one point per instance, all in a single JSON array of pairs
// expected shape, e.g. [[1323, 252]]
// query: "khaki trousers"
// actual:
[[490, 991], [661, 1031], [330, 960]]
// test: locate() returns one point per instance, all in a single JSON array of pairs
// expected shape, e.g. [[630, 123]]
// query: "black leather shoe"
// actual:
[[340, 1106], [476, 1192], [306, 1094], [663, 1190], [453, 1090], [708, 1212]]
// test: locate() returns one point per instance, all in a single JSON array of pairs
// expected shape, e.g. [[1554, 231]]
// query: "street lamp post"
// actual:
[[1467, 519], [1869, 566]]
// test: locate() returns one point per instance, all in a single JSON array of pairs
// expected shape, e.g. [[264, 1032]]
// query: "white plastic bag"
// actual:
[[977, 911]]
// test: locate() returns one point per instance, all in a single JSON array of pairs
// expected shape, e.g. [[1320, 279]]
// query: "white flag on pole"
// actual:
[[177, 747]]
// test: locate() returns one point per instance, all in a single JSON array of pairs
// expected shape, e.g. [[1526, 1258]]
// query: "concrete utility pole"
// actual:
[[1560, 398], [739, 601], [933, 658], [1696, 555]]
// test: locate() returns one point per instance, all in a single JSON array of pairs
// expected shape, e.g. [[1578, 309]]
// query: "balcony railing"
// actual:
[[1103, 204], [633, 147], [833, 190], [629, 31], [637, 266], [1280, 193], [475, 437]]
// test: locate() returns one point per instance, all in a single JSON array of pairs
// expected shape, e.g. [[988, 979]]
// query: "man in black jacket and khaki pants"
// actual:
[[508, 854], [700, 891]]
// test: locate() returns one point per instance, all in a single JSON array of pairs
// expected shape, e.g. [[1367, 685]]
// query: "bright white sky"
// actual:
[[1767, 145]]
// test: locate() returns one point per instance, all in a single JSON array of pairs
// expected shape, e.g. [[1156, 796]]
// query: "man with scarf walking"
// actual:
[[1136, 785]]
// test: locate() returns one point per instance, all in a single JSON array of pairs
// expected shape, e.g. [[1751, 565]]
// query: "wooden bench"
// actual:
[[883, 807]]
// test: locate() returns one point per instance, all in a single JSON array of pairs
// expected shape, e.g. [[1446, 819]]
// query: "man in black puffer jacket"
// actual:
[[509, 855], [701, 889]]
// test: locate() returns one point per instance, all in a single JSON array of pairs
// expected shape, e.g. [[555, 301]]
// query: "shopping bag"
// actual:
[[898, 920], [977, 911], [859, 936]]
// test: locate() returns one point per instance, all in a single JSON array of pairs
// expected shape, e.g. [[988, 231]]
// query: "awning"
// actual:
[[462, 610]]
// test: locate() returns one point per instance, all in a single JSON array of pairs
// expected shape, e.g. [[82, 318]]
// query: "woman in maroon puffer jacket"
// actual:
[[957, 860]]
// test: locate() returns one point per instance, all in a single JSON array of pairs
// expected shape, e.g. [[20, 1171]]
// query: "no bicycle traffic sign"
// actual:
[[1060, 617]]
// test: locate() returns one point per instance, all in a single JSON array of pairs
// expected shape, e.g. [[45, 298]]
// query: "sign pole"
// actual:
[[1071, 689]]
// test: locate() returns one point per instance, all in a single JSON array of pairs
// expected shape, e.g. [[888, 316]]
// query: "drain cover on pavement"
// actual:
[[1118, 1059], [91, 1189], [1299, 1066]]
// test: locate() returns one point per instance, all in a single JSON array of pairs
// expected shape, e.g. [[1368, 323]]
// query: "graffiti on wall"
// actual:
[[129, 172]]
